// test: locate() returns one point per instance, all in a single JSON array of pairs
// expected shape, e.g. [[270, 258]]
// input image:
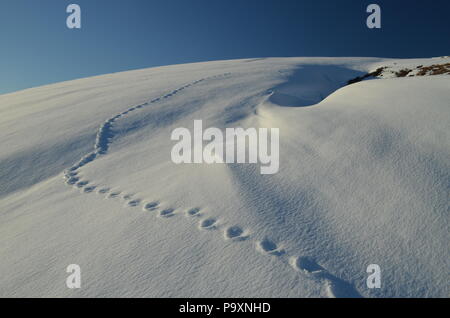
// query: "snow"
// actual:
[[363, 179]]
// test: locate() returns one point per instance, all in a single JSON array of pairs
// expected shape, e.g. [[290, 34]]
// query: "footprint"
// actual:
[[70, 174], [235, 233], [193, 212], [307, 265], [72, 180], [151, 206], [208, 224], [82, 184], [89, 189], [338, 288], [104, 190], [127, 196], [167, 213], [134, 203], [114, 195], [335, 287], [268, 247]]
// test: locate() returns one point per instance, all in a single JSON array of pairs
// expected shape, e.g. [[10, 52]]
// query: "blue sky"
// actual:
[[37, 48]]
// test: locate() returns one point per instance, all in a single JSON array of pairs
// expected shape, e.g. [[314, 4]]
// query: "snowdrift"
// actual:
[[86, 178]]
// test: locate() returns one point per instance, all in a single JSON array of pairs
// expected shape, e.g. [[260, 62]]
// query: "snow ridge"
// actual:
[[334, 286]]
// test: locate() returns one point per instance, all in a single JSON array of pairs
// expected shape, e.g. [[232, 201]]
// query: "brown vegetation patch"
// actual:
[[375, 73], [436, 69], [403, 72]]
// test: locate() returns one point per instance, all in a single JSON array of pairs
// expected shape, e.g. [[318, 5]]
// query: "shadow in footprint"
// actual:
[[72, 180], [68, 175], [89, 189], [134, 203], [235, 233], [167, 213], [127, 196], [338, 288], [151, 206], [114, 195], [208, 224], [307, 265], [268, 247], [82, 184], [103, 190], [193, 212]]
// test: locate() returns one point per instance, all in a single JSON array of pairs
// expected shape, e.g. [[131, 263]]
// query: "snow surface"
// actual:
[[86, 178]]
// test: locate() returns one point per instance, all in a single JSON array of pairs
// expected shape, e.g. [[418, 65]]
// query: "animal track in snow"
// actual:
[[127, 196], [105, 133], [235, 233], [81, 184], [266, 246], [306, 265], [103, 190], [208, 224], [193, 212], [114, 195], [89, 189], [151, 206], [69, 174], [72, 180], [167, 213], [335, 287], [338, 288], [134, 203]]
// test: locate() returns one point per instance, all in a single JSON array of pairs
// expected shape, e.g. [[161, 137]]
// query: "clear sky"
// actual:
[[37, 48]]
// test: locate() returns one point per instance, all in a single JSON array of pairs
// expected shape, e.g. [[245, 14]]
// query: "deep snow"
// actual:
[[86, 178]]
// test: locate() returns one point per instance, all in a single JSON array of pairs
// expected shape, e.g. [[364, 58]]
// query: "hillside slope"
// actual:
[[87, 178]]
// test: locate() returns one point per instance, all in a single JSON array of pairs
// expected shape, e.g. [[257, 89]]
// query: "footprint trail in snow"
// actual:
[[334, 286]]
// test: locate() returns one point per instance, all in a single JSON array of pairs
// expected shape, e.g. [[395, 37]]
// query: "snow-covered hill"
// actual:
[[86, 178]]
